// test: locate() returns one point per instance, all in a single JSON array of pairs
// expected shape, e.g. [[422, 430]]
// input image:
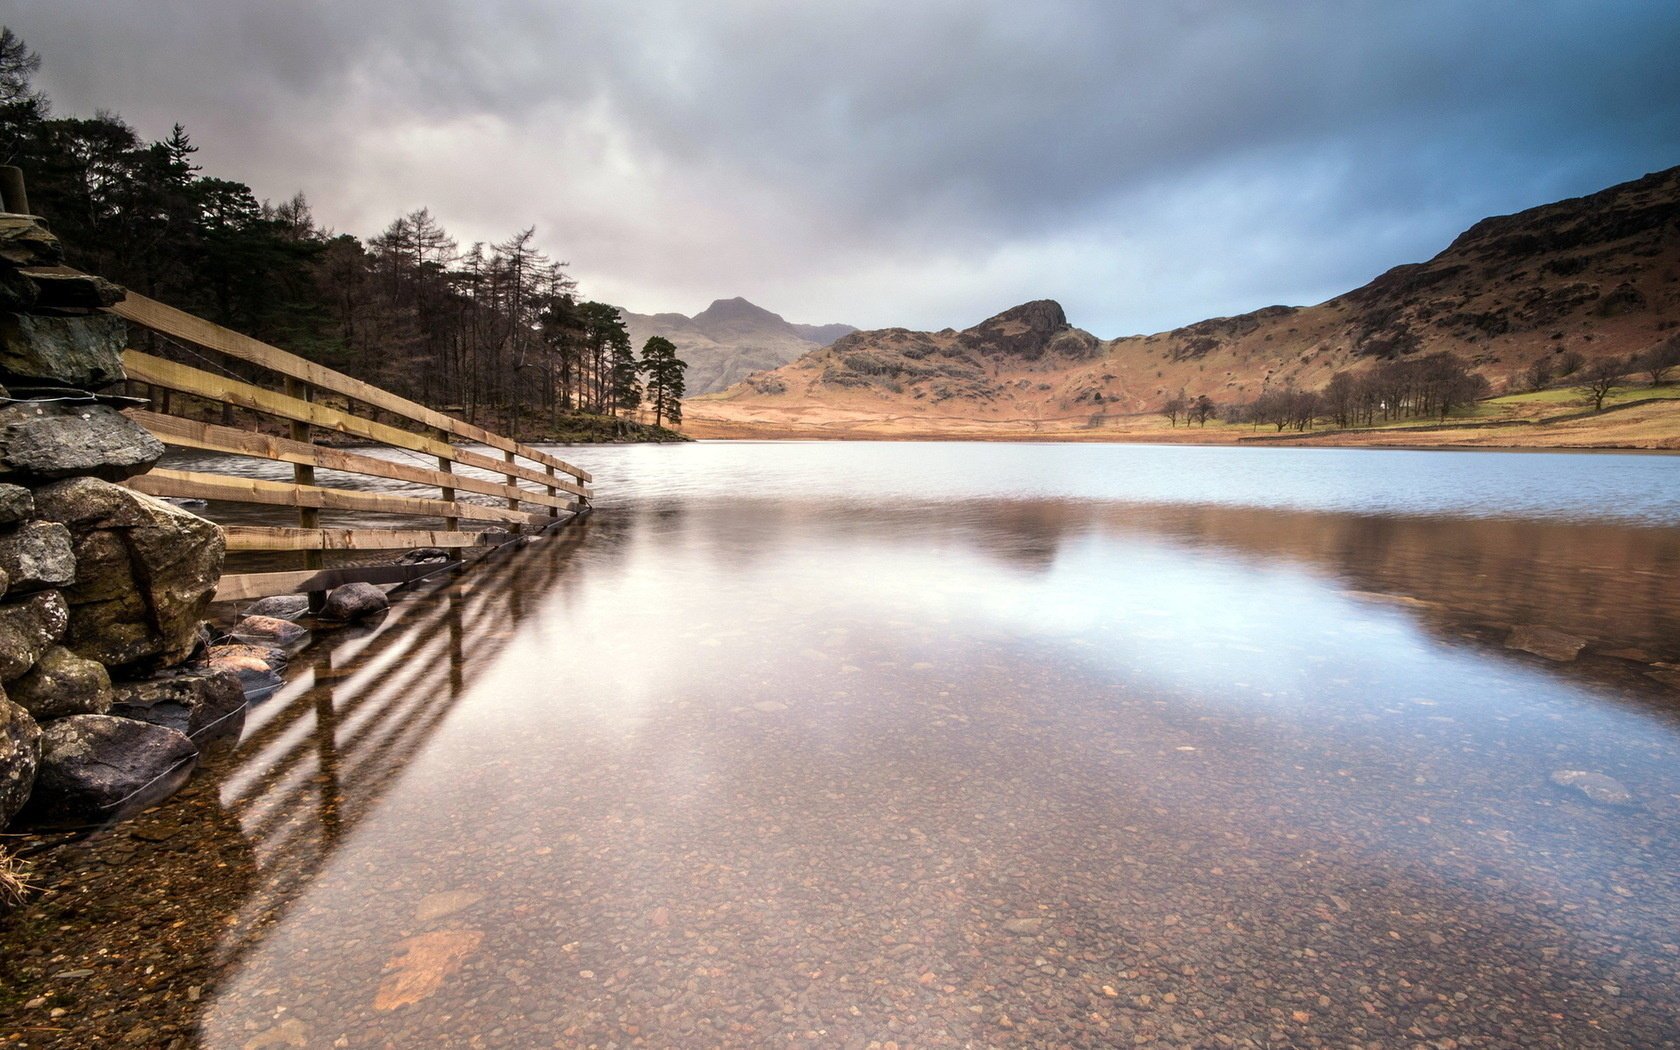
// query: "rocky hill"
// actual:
[[730, 340], [1572, 281]]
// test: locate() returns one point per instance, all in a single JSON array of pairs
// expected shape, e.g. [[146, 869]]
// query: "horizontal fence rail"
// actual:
[[527, 488]]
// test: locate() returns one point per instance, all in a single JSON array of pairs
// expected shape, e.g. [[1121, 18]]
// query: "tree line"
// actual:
[[495, 332]]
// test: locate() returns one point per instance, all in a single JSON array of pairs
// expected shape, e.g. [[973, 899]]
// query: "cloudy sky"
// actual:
[[1147, 162]]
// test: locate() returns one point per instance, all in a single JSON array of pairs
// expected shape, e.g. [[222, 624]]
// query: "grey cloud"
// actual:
[[1147, 162]]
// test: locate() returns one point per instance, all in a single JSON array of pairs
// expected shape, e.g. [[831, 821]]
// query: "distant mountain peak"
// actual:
[[736, 310]]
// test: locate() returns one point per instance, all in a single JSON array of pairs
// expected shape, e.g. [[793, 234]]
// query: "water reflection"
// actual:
[[816, 769]]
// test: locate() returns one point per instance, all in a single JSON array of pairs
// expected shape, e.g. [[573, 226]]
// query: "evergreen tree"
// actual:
[[664, 379]]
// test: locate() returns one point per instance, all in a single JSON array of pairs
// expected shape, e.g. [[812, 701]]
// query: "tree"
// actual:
[[1174, 408], [664, 379], [1201, 410], [1659, 360], [1600, 378], [626, 393]]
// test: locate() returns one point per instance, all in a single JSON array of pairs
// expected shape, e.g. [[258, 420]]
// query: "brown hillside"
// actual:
[[1597, 275]]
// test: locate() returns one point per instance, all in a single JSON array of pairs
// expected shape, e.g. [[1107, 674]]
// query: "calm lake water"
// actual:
[[942, 745]]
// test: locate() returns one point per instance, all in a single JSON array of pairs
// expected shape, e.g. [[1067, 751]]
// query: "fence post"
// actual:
[[447, 493], [553, 493], [308, 517], [512, 502]]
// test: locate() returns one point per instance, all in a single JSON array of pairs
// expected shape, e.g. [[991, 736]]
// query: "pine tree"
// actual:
[[664, 379]]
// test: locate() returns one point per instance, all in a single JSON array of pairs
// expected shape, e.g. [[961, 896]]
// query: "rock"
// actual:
[[268, 630], [1545, 642], [80, 350], [28, 629], [280, 606], [1023, 927], [1599, 788], [1665, 676], [20, 753], [146, 571], [17, 292], [423, 556], [257, 667], [36, 555], [189, 701], [46, 440], [90, 764], [354, 601], [63, 684], [26, 241], [16, 504], [61, 289]]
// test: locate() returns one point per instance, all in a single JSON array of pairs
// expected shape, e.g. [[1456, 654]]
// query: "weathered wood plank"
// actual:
[[177, 324], [196, 381], [240, 586], [277, 538], [190, 485], [211, 437]]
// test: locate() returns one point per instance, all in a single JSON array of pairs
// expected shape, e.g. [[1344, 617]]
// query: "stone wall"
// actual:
[[102, 589]]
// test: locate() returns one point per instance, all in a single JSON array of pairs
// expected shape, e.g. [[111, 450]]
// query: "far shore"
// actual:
[[1652, 427]]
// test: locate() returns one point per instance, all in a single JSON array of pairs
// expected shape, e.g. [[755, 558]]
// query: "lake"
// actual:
[[909, 744]]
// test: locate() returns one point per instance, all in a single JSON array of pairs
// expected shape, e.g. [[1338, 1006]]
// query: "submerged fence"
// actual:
[[531, 489]]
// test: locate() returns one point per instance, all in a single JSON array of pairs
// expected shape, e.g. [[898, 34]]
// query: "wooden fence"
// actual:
[[530, 489]]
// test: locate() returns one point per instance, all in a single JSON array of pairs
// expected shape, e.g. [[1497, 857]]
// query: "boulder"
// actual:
[[28, 629], [91, 764], [145, 572], [269, 631], [16, 504], [47, 440], [37, 555], [1597, 787], [280, 606], [17, 292], [354, 601], [257, 667], [63, 684], [190, 701], [81, 350], [61, 289], [26, 241], [20, 752], [424, 556], [1545, 642]]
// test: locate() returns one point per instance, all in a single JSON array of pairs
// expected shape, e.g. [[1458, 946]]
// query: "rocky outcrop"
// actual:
[[146, 572], [92, 764], [354, 601], [63, 684], [45, 440], [190, 701], [20, 752]]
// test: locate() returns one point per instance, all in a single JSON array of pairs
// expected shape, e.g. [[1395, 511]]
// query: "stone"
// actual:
[[91, 764], [145, 572], [257, 667], [37, 555], [63, 684], [20, 753], [1545, 642], [66, 289], [280, 606], [354, 601], [47, 440], [28, 629], [1023, 927], [16, 504], [80, 350], [189, 701], [268, 630], [17, 292], [26, 241], [1597, 787], [423, 556]]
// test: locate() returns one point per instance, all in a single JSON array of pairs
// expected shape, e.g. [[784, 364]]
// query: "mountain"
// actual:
[[1584, 278], [730, 340]]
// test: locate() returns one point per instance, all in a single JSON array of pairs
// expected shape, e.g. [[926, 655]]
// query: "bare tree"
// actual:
[[1659, 360], [1600, 378], [1175, 407]]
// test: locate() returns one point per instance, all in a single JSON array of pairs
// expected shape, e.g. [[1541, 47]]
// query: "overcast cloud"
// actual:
[[1147, 163]]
